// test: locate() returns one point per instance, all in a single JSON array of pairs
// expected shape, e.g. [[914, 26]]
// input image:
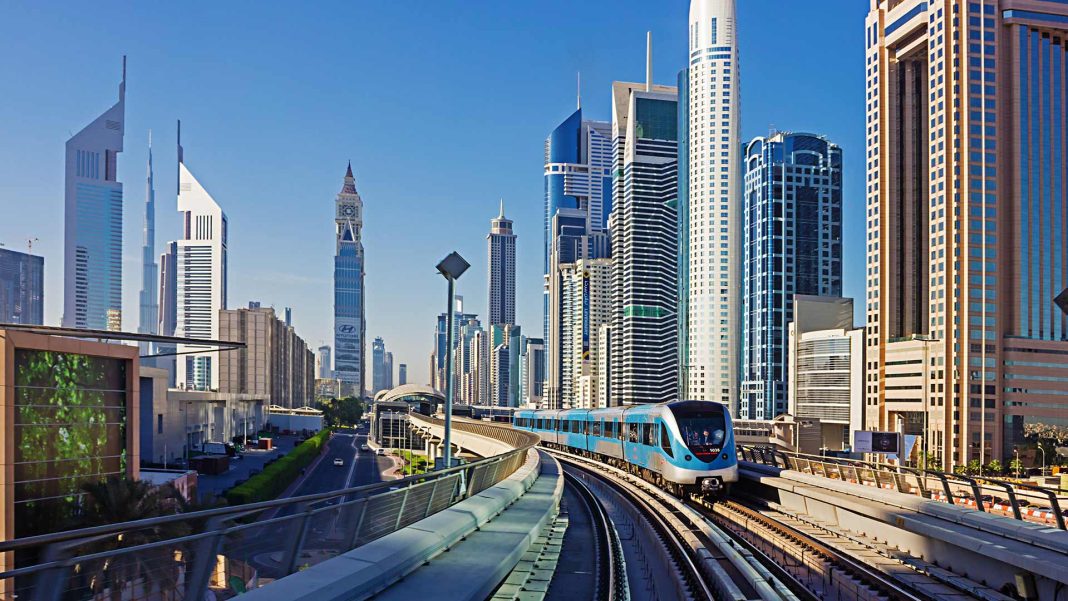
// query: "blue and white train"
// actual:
[[682, 446]]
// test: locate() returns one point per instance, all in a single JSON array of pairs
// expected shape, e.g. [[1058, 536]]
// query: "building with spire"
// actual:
[[710, 207], [149, 306], [92, 221], [200, 277], [644, 335], [501, 277], [350, 325]]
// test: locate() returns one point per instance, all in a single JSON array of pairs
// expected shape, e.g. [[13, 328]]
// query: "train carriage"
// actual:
[[686, 446]]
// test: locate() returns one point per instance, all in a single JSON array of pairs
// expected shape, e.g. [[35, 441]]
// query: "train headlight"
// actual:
[[723, 456], [688, 458]]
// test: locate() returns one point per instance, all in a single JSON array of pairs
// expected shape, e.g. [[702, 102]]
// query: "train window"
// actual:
[[665, 440], [703, 429], [595, 428], [647, 435]]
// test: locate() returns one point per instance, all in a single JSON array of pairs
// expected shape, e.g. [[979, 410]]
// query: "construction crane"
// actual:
[[29, 244]]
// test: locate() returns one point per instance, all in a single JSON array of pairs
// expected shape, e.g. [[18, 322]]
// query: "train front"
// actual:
[[708, 461]]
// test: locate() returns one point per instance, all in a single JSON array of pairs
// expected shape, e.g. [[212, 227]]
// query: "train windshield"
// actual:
[[703, 429]]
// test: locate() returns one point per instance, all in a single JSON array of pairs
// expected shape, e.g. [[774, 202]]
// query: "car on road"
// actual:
[[364, 447], [380, 451], [339, 462]]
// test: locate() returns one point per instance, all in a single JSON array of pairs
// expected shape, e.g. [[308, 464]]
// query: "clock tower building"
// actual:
[[350, 325]]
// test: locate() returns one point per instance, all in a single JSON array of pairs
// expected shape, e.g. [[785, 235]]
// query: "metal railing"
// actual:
[[1021, 501], [232, 549]]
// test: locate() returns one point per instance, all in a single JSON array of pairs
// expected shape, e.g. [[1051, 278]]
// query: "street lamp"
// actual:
[[1043, 472], [1016, 450], [452, 267]]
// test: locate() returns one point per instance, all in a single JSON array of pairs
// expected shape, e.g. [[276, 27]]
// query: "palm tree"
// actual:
[[119, 500]]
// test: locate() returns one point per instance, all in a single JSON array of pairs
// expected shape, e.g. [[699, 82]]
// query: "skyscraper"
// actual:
[[92, 220], [709, 208], [500, 244], [201, 278], [21, 288], [402, 374], [379, 377], [350, 325], [533, 372], [586, 306], [323, 361], [168, 310], [793, 245], [644, 332], [578, 200], [387, 368], [967, 245], [149, 306]]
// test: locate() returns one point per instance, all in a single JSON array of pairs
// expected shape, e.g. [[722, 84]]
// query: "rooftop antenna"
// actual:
[[29, 244], [122, 84], [578, 83], [648, 61]]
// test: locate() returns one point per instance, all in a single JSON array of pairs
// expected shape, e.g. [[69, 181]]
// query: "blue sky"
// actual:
[[442, 107]]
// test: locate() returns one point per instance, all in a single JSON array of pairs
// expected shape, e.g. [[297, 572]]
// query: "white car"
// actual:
[[380, 451], [364, 447], [339, 462]]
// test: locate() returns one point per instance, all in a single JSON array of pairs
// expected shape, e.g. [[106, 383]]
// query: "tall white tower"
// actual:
[[201, 278], [149, 311], [710, 208], [92, 221]]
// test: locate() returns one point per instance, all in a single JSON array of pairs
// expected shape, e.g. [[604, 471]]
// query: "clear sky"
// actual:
[[443, 108]]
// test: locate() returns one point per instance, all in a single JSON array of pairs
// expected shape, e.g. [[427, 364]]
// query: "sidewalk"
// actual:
[[397, 471]]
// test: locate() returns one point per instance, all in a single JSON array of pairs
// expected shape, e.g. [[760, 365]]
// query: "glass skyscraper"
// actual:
[[793, 245], [966, 239], [578, 200], [350, 324], [21, 288], [92, 221]]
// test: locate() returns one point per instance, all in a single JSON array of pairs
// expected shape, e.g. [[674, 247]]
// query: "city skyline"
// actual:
[[240, 172]]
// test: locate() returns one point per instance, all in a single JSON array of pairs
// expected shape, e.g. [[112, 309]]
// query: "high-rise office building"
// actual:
[[534, 372], [21, 288], [586, 306], [966, 239], [578, 200], [466, 357], [378, 366], [92, 220], [644, 329], [572, 240], [505, 348], [275, 362], [350, 323], [578, 178], [167, 323], [793, 245], [402, 374], [149, 306], [322, 360], [500, 243], [709, 208], [201, 276], [387, 369]]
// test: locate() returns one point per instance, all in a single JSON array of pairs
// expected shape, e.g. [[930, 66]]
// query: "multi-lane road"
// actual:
[[360, 467]]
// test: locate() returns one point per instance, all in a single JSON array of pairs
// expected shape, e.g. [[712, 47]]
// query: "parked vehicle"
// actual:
[[339, 461], [380, 451]]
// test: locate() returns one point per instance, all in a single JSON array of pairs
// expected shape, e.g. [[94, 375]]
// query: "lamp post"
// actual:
[[1016, 450], [452, 267], [1043, 472]]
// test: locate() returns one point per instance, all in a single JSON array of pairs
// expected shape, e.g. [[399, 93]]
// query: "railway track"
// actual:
[[820, 565], [708, 565], [611, 581]]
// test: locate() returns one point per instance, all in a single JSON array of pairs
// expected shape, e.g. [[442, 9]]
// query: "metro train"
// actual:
[[681, 446]]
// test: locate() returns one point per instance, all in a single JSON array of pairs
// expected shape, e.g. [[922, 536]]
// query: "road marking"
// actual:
[[352, 468]]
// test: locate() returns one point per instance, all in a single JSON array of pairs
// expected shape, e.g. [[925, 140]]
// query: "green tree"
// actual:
[[994, 467], [345, 411], [1015, 466], [974, 467]]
